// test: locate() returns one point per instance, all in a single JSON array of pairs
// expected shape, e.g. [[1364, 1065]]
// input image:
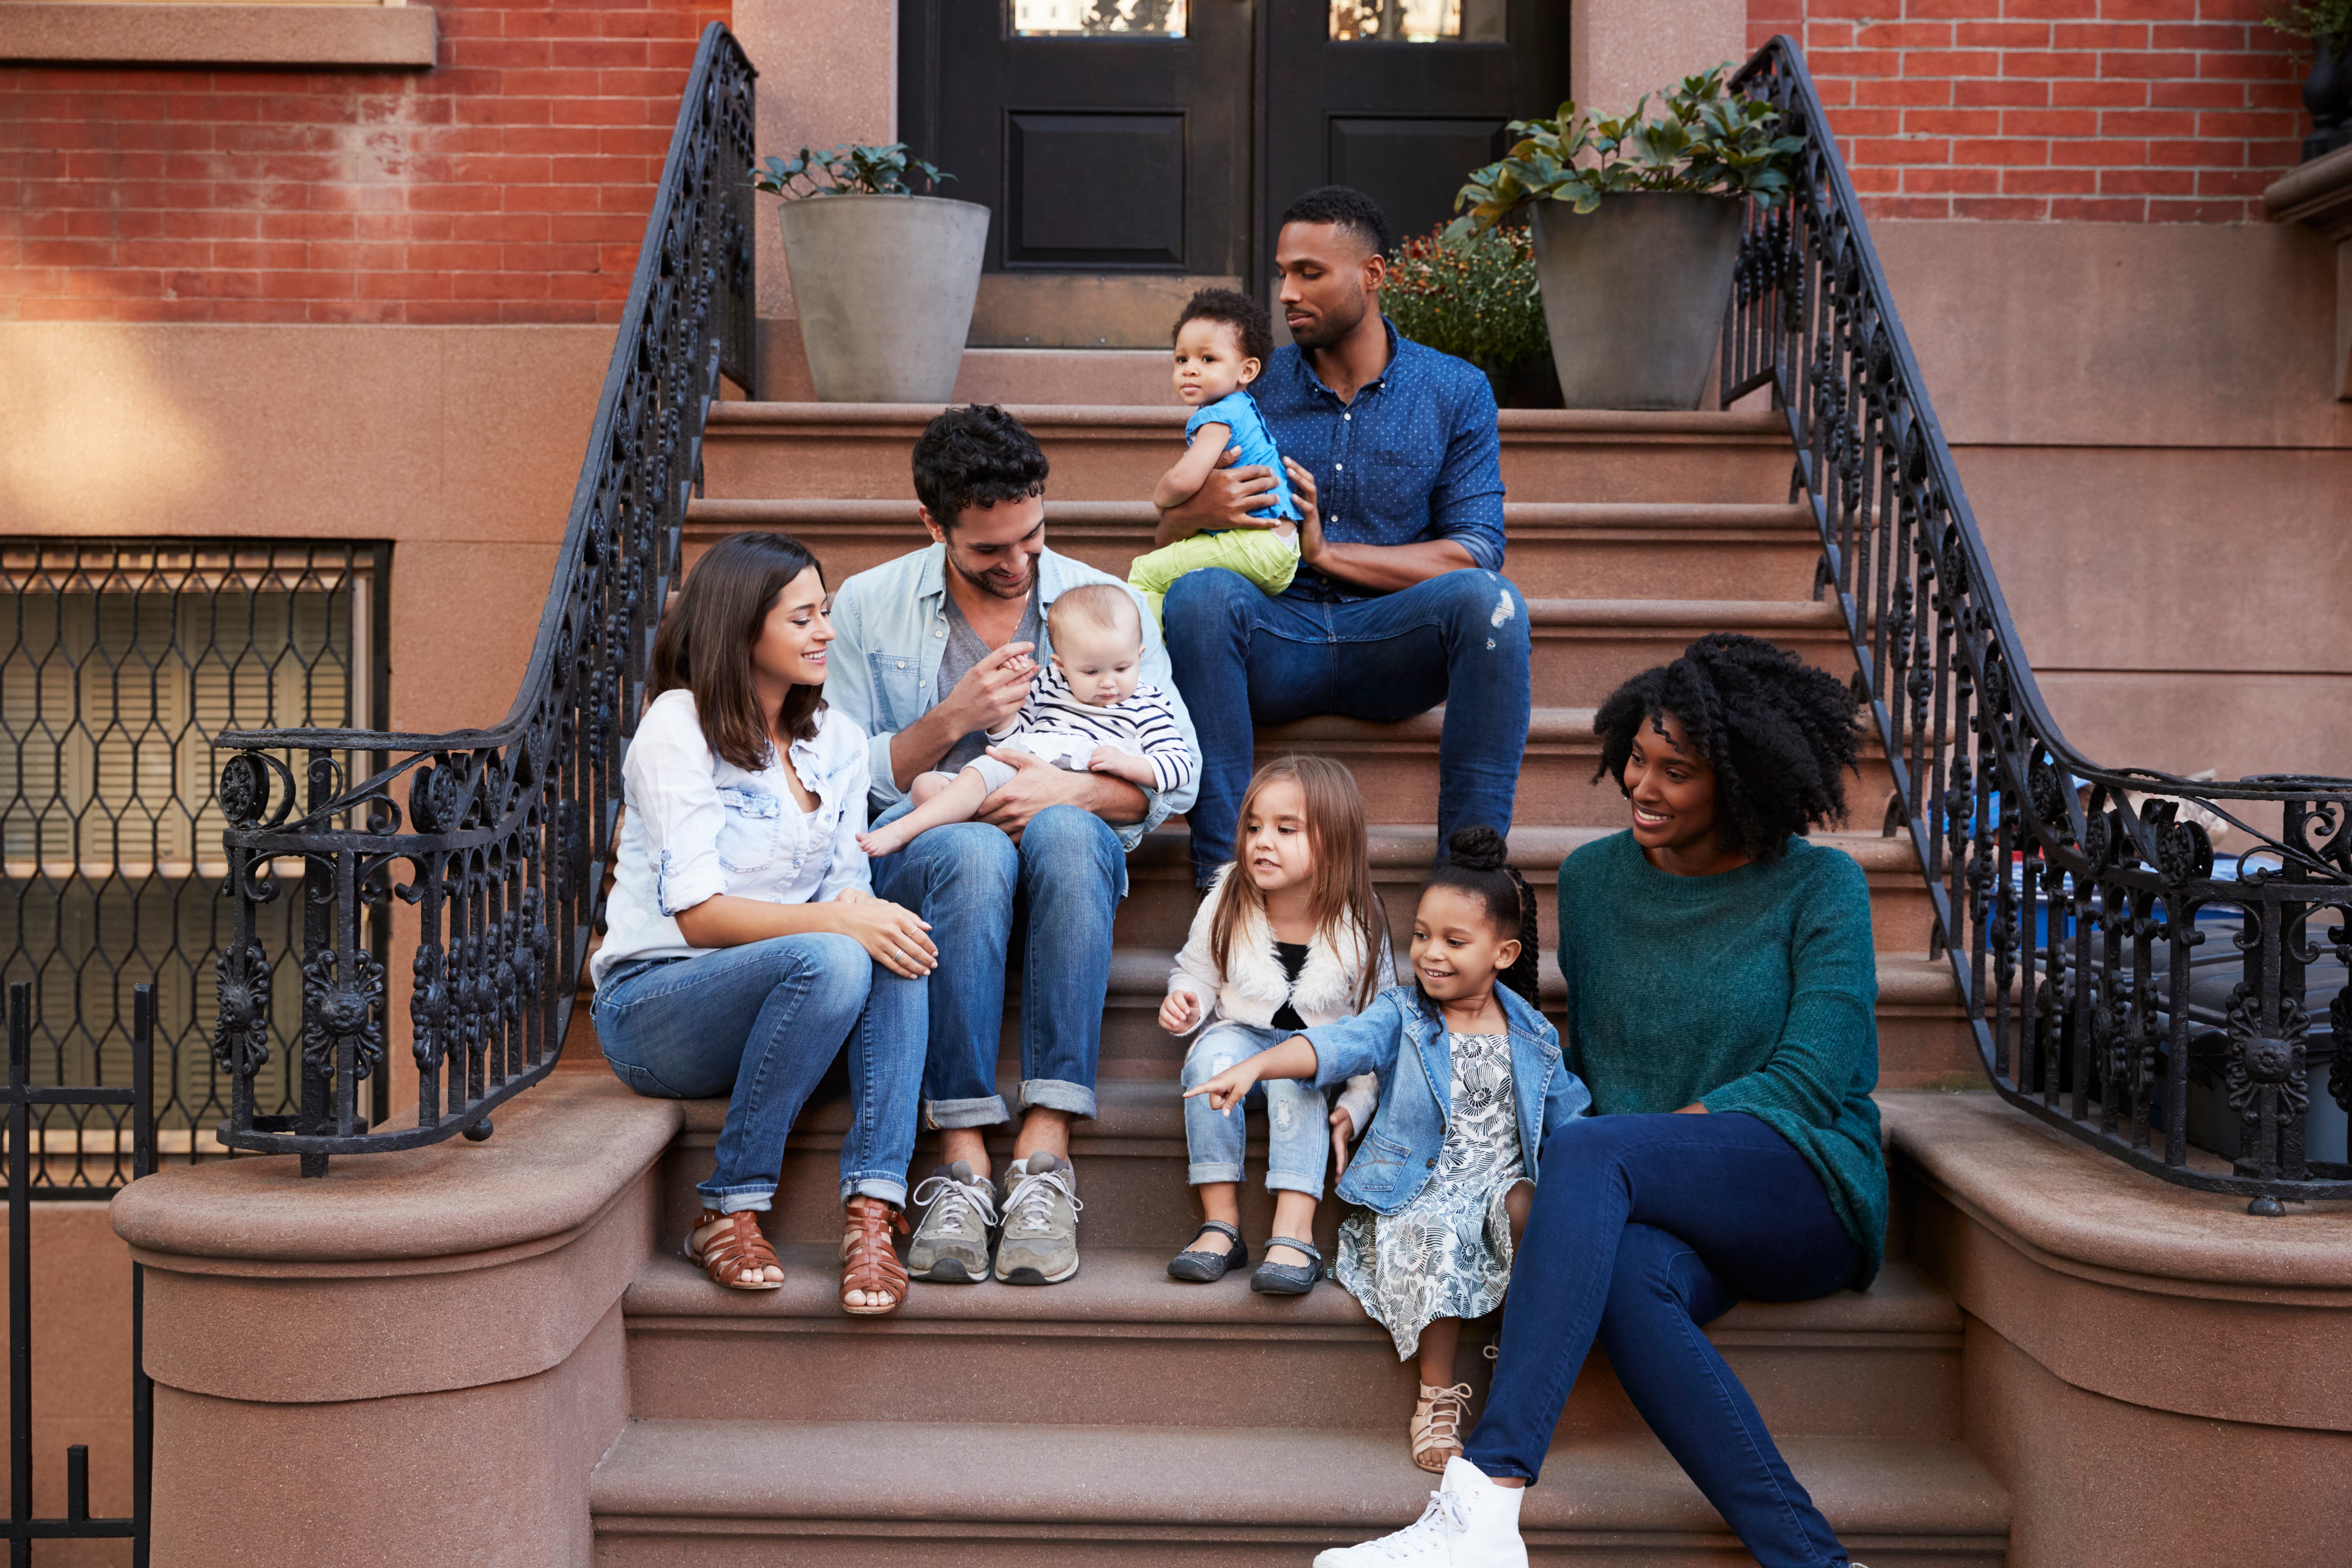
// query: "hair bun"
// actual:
[[1479, 848]]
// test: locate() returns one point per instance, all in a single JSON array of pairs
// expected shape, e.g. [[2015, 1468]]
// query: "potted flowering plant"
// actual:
[[1637, 223], [1474, 297], [884, 279]]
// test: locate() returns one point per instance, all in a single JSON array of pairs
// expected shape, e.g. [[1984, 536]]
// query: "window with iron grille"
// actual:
[[119, 660]]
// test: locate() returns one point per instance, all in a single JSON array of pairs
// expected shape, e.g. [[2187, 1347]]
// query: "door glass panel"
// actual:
[[1418, 21], [1099, 18]]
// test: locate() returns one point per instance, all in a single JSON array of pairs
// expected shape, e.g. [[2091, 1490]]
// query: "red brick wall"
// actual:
[[510, 184], [2117, 110]]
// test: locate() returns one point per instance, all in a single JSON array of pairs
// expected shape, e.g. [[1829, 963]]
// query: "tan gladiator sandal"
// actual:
[[1437, 1417], [869, 1264], [733, 1253]]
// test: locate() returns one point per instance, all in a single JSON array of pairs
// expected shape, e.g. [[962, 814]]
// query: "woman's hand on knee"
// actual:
[[893, 936]]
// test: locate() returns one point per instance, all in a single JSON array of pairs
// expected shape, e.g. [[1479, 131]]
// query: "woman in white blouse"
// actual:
[[744, 944]]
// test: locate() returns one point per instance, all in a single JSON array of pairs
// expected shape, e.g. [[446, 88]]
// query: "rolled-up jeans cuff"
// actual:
[[1295, 1182], [891, 1190], [950, 1114], [1056, 1094], [1202, 1172], [734, 1200]]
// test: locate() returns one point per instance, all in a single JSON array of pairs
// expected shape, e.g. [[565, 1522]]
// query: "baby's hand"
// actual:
[[1120, 764], [1228, 1088], [1180, 1011]]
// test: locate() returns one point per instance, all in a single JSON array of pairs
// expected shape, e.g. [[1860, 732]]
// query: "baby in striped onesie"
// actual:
[[1087, 712]]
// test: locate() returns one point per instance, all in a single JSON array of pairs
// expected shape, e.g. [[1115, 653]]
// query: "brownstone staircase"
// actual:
[[1120, 1416]]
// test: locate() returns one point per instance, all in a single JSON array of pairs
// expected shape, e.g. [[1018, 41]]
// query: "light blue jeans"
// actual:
[[1297, 1117], [760, 1024], [1050, 898]]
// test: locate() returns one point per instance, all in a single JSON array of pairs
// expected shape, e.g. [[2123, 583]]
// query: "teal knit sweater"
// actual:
[[1754, 990]]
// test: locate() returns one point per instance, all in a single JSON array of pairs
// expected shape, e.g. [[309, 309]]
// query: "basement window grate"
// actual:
[[119, 660]]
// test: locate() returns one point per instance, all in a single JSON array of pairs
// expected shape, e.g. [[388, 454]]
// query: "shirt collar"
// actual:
[[1307, 365]]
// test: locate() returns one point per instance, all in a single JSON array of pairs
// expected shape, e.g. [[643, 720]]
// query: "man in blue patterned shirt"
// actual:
[[1400, 602]]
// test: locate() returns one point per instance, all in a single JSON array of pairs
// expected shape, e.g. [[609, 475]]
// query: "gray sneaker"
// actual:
[[1039, 1244], [950, 1244]]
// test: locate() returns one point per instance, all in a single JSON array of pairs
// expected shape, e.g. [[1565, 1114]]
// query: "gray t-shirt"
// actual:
[[965, 649]]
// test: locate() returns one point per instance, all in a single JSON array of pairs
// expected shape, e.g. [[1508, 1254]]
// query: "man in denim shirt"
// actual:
[[1400, 602], [932, 650]]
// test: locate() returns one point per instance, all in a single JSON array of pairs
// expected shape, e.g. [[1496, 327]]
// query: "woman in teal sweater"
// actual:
[[1721, 1005]]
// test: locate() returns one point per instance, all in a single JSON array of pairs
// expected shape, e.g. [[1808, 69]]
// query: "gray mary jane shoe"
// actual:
[[1198, 1268], [1274, 1279]]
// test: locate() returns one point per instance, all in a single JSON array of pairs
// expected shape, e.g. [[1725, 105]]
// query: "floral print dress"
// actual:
[[1448, 1253]]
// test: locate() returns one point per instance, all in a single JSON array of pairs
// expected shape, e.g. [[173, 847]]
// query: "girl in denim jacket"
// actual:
[[1471, 1083]]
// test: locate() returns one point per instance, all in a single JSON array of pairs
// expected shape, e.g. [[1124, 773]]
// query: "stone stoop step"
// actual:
[[763, 451], [1121, 1344], [974, 1495], [1624, 550]]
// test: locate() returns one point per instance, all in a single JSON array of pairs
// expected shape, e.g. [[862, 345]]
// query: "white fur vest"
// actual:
[[1251, 989]]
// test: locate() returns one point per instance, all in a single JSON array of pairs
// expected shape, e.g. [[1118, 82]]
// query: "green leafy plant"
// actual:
[[847, 170], [1707, 141], [1474, 296], [2312, 19]]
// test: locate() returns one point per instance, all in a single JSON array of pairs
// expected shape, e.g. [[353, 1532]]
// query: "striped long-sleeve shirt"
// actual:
[[1143, 724]]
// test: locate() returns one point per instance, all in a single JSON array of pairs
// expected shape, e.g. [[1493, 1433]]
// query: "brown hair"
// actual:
[[1340, 894], [705, 644]]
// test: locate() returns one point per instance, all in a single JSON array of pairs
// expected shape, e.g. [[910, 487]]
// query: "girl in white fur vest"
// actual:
[[1289, 936]]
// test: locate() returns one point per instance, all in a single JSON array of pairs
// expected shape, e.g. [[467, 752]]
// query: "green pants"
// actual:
[[1255, 553]]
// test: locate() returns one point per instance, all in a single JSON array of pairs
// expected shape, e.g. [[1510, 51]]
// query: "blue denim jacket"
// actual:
[[1399, 1155], [891, 627]]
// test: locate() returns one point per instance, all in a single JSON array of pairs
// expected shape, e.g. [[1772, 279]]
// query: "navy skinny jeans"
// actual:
[[1644, 1228]]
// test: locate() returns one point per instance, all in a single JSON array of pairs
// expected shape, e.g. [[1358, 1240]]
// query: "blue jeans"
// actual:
[[1058, 888], [1297, 1116], [1242, 658], [1644, 1227], [760, 1024]]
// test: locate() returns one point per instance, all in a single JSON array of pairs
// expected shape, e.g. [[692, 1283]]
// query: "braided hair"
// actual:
[[1478, 863], [1778, 733]]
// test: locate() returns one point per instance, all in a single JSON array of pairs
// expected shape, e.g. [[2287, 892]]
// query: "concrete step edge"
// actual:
[[1226, 1480], [1520, 518], [1533, 848], [1120, 1290], [732, 418]]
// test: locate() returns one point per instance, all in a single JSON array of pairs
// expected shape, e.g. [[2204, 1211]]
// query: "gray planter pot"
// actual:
[[884, 286], [1635, 294]]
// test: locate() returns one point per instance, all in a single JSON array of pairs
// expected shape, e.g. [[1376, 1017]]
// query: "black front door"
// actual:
[[1109, 138], [1133, 149], [1401, 98]]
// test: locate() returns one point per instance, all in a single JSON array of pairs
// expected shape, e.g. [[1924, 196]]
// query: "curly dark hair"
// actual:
[[1234, 308], [1778, 733], [979, 456], [1348, 207], [1477, 862]]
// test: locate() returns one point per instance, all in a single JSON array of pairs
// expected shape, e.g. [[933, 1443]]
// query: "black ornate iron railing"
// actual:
[[507, 830], [2070, 897]]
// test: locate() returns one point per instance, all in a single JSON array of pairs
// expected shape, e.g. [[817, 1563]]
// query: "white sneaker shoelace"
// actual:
[[1424, 1539], [953, 1204], [1031, 1203]]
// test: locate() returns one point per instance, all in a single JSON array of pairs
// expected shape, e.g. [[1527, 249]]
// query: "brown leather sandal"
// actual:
[[868, 1262], [735, 1254]]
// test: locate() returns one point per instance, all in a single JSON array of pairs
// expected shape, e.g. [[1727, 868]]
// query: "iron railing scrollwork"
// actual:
[[500, 845], [2071, 898]]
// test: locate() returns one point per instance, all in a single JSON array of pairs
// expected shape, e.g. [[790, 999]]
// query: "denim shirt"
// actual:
[[698, 825], [1416, 455], [1399, 1155], [890, 627]]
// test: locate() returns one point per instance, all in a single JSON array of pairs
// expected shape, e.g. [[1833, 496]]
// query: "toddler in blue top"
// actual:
[[1223, 342]]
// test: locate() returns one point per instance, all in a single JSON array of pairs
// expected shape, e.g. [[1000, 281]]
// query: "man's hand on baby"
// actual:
[[1228, 1088], [1234, 490], [1121, 765], [1310, 522], [1034, 785], [1180, 1011]]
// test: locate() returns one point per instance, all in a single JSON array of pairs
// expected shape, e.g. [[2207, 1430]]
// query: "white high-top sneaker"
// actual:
[[1470, 1523]]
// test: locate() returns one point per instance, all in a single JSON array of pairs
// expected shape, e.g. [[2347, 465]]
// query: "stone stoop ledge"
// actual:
[[2156, 1376], [325, 1352]]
